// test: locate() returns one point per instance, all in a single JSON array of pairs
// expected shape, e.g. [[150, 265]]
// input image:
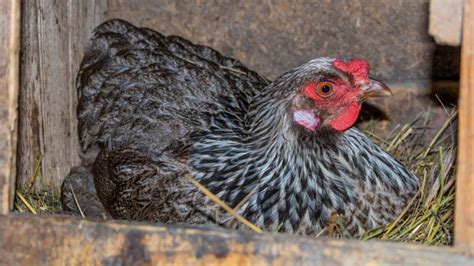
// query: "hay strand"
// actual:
[[223, 205]]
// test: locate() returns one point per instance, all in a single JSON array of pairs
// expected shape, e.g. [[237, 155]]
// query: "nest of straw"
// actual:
[[427, 219], [429, 216]]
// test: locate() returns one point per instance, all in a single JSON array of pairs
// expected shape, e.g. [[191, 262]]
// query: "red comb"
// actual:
[[358, 68]]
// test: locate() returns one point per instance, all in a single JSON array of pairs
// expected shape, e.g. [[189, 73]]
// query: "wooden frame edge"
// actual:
[[14, 93], [10, 45], [71, 241], [464, 212]]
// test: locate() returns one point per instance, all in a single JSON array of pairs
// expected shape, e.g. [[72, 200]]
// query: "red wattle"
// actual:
[[346, 119]]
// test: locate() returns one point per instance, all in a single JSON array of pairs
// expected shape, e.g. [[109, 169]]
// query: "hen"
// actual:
[[153, 109]]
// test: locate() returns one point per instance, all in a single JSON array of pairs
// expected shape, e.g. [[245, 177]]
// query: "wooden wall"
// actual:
[[9, 86], [274, 36], [269, 36], [54, 34], [464, 226]]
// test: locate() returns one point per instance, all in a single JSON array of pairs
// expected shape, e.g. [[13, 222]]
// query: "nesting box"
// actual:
[[38, 115]]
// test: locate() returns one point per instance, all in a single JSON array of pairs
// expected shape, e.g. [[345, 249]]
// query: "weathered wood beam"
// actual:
[[27, 240], [54, 36], [9, 86], [464, 219]]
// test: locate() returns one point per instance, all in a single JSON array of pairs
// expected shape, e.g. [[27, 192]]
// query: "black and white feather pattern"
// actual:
[[153, 108]]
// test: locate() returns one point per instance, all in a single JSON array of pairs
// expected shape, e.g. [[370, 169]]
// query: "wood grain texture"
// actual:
[[54, 34], [274, 36], [68, 241], [464, 219], [9, 86]]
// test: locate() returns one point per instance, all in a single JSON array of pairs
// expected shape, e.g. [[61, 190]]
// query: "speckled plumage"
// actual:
[[153, 108]]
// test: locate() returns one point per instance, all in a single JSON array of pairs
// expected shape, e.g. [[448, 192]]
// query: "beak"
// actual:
[[375, 88]]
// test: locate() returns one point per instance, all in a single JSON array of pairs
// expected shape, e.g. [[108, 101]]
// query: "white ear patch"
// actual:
[[306, 118]]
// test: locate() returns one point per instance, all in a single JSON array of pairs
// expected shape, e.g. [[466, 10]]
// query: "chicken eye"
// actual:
[[325, 89]]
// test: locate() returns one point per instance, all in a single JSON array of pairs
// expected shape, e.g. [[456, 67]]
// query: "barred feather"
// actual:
[[153, 108]]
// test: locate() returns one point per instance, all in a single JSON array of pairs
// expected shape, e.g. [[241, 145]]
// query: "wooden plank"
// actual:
[[446, 21], [274, 36], [9, 86], [69, 241], [54, 34], [464, 219]]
